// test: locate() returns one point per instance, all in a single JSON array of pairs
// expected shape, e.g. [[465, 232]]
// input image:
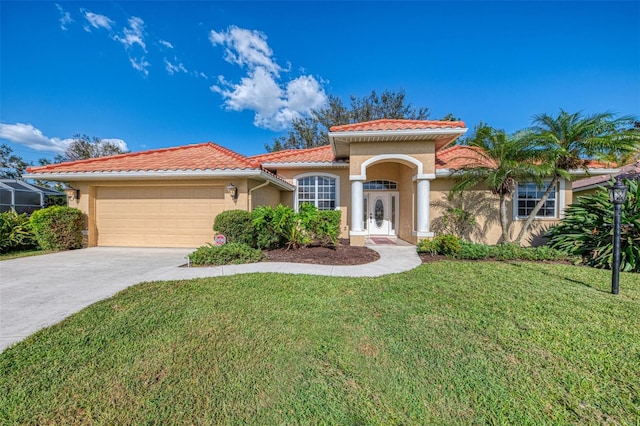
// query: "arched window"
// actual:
[[319, 190], [374, 185]]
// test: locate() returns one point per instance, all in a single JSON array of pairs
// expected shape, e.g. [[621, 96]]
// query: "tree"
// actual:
[[311, 131], [570, 140], [82, 148], [11, 165], [500, 161]]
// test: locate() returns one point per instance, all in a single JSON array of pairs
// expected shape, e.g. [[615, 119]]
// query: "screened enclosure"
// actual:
[[24, 197]]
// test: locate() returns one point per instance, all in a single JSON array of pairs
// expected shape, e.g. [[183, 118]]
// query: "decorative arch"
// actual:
[[390, 157]]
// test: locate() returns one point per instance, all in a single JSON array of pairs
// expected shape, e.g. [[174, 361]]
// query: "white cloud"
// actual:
[[132, 38], [275, 104], [65, 18], [140, 64], [97, 20], [245, 48], [133, 35], [31, 137], [166, 44], [304, 94], [173, 68]]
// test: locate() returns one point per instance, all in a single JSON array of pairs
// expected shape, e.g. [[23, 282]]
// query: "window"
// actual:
[[528, 196], [317, 190], [373, 185]]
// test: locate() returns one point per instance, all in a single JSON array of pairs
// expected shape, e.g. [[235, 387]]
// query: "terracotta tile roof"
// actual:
[[395, 124], [459, 156], [205, 156], [322, 154], [631, 169]]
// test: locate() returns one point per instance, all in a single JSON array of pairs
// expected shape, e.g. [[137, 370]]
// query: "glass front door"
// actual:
[[380, 212]]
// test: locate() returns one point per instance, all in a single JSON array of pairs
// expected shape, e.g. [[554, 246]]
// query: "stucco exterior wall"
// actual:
[[423, 151], [485, 207], [264, 196]]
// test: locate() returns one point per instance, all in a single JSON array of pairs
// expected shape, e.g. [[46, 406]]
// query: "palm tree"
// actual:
[[570, 140], [499, 161]]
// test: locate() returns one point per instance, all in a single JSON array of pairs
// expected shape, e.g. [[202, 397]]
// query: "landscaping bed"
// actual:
[[341, 254]]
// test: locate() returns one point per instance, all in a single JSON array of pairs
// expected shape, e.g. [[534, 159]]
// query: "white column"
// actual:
[[356, 206], [424, 205]]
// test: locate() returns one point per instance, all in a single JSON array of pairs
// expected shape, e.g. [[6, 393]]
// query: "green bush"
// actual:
[[58, 228], [273, 227], [282, 227], [318, 226], [15, 232], [235, 225], [447, 245], [227, 254], [587, 229]]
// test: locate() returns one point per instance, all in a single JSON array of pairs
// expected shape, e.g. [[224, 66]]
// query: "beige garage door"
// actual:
[[157, 216]]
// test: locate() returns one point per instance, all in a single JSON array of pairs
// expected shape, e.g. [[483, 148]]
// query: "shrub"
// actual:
[[587, 229], [272, 226], [15, 232], [227, 254], [58, 228], [282, 226], [235, 225], [318, 226], [447, 245]]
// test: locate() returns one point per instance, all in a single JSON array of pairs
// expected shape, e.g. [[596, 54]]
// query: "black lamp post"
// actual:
[[617, 195]]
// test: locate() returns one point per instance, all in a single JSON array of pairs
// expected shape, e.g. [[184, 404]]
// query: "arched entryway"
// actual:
[[390, 197]]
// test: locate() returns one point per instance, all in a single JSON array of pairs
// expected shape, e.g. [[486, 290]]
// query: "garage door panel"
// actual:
[[157, 216]]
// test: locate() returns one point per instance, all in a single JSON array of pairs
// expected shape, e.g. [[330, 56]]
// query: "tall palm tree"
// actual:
[[571, 140], [499, 161]]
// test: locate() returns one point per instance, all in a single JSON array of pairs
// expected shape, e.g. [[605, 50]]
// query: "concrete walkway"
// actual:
[[39, 291]]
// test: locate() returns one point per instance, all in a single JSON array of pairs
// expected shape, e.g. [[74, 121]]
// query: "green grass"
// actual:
[[447, 343]]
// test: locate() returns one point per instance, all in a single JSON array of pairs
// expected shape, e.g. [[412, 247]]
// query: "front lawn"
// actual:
[[448, 343]]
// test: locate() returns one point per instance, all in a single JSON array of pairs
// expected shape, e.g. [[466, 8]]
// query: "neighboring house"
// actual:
[[387, 177], [22, 197], [591, 184]]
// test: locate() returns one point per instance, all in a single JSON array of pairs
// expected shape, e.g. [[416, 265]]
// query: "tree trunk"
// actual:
[[503, 218], [537, 208]]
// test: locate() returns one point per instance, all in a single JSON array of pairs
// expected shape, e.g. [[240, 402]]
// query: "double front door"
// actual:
[[380, 213]]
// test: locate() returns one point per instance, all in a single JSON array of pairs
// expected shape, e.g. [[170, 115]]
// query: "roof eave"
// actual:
[[300, 165], [160, 174], [593, 172]]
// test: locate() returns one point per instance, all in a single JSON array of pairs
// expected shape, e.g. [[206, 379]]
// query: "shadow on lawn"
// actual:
[[560, 276]]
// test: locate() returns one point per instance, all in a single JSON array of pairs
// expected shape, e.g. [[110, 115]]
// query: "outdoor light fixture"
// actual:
[[72, 193], [232, 190], [617, 195]]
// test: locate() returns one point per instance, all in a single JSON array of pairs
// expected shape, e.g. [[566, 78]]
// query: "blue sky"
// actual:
[[159, 74]]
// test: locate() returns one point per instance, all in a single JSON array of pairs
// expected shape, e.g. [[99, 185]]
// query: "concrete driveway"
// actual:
[[38, 291]]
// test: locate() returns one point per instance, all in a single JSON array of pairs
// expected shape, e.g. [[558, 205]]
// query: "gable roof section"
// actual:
[[189, 161], [206, 156], [393, 131], [321, 156]]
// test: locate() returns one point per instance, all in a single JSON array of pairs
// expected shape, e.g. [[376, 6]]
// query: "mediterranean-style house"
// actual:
[[388, 178]]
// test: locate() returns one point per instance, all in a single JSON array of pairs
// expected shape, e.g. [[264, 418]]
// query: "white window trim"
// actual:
[[559, 208], [305, 175]]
